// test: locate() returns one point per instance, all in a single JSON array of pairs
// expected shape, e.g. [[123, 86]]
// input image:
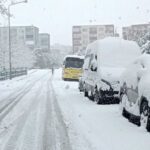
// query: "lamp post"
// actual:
[[9, 35]]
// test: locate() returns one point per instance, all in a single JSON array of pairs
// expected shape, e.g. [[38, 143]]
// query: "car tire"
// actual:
[[145, 116], [85, 93]]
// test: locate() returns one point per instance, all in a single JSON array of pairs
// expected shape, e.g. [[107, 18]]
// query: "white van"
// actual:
[[104, 62]]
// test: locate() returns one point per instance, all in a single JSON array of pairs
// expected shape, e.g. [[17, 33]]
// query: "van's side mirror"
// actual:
[[93, 68]]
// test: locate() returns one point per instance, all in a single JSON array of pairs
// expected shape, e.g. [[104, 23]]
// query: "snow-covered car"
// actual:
[[135, 92], [104, 62]]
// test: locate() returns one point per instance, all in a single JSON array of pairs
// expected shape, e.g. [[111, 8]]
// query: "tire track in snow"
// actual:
[[56, 134], [13, 95], [49, 137], [52, 133], [15, 99], [32, 134]]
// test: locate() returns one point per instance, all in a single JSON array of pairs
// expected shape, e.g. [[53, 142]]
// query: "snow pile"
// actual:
[[115, 52], [112, 75]]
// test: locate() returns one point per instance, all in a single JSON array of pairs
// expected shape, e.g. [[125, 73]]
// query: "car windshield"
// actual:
[[74, 63]]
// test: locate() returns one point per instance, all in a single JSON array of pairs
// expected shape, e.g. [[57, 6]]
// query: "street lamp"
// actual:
[[9, 35]]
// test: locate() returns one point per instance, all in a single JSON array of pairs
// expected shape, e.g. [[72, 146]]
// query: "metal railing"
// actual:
[[5, 74]]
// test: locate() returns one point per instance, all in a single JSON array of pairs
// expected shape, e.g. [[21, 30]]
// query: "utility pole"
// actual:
[[9, 35], [9, 44]]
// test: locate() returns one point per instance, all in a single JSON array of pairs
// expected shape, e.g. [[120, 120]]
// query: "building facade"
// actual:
[[44, 42], [20, 35], [83, 35], [134, 32]]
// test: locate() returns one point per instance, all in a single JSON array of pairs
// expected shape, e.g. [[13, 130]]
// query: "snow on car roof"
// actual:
[[74, 56], [144, 60], [114, 51]]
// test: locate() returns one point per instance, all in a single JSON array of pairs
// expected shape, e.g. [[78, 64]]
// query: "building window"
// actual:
[[92, 39], [29, 37], [77, 29], [76, 36], [29, 29], [76, 42], [84, 30], [93, 31]]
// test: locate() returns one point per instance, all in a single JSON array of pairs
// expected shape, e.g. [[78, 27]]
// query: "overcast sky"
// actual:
[[58, 16]]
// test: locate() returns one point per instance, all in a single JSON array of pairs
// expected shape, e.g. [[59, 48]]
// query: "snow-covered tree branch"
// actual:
[[22, 56], [144, 43], [3, 9]]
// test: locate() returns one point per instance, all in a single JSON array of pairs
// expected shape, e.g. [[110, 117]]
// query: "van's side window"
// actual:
[[86, 62], [93, 63], [91, 58]]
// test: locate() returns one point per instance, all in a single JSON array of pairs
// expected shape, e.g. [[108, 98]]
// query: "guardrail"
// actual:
[[14, 73]]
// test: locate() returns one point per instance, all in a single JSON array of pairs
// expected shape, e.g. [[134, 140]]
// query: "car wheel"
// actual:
[[85, 93], [145, 117]]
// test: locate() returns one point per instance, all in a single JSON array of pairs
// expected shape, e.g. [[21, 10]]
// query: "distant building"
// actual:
[[26, 35], [134, 32], [44, 42], [83, 35]]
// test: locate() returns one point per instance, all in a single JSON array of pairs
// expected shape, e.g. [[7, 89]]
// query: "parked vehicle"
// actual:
[[135, 92], [104, 62], [72, 67]]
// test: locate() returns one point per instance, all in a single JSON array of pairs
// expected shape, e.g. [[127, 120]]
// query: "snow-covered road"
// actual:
[[42, 112], [30, 118]]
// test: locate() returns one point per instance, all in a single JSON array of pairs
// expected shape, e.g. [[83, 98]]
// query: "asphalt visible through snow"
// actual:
[[30, 118]]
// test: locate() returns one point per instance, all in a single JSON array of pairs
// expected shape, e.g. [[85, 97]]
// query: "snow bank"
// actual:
[[96, 127]]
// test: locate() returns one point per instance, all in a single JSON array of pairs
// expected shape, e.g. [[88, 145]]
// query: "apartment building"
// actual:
[[134, 32], [20, 35], [83, 35], [44, 42]]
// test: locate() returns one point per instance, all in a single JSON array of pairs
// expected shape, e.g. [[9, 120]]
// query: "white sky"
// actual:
[[58, 16]]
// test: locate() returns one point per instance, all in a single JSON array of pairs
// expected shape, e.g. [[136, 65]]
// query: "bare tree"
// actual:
[[3, 9]]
